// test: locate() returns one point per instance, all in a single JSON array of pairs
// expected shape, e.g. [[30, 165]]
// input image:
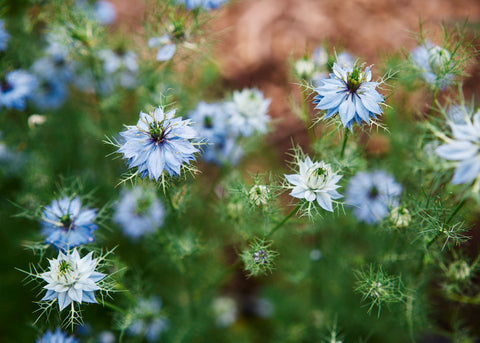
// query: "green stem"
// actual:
[[344, 144], [173, 208], [279, 225], [455, 211], [113, 307]]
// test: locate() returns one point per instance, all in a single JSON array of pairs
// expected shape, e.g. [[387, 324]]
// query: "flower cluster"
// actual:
[[147, 320], [139, 212], [464, 148], [372, 195], [159, 142], [349, 92], [315, 181], [15, 88], [71, 278], [66, 224]]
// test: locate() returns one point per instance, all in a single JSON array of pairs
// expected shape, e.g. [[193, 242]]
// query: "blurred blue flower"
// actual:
[[159, 142], [4, 36], [458, 114], [15, 88], [344, 59], [464, 148], [350, 93], [121, 65], [66, 224], [53, 67], [166, 44], [147, 319], [433, 63], [56, 337], [139, 212], [206, 4], [248, 112], [105, 12], [315, 181], [211, 123], [372, 195], [49, 94]]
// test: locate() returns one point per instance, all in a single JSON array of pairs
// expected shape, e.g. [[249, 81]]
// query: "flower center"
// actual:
[[66, 221], [260, 256], [143, 204], [316, 177], [64, 267], [354, 79], [373, 193], [158, 133], [208, 122], [59, 62], [6, 86]]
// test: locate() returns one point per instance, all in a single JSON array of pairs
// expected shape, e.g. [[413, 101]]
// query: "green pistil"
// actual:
[[354, 80], [320, 172], [143, 205], [64, 267], [373, 194], [157, 132], [208, 122], [66, 221]]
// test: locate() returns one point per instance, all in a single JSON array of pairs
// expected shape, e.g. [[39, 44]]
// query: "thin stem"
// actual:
[[173, 208], [113, 307], [455, 211], [344, 144], [279, 225]]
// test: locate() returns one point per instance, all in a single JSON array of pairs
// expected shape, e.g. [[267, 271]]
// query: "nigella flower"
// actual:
[[463, 148], [433, 63], [458, 114], [71, 278], [206, 4], [350, 93], [121, 63], [56, 337], [4, 36], [105, 12], [148, 320], [66, 224], [248, 112], [139, 212], [315, 181], [159, 142], [49, 94], [372, 195], [225, 309], [211, 123], [15, 89]]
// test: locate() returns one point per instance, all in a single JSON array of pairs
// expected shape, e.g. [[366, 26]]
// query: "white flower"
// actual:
[[316, 181], [259, 194], [248, 112], [400, 216], [226, 310], [71, 278]]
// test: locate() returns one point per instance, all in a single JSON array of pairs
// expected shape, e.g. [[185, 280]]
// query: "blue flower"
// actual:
[[15, 89], [53, 67], [56, 337], [350, 93], [49, 94], [66, 224], [372, 195], [167, 47], [139, 212], [463, 148], [206, 4], [433, 63], [248, 112], [121, 65], [211, 121], [147, 320], [315, 181], [159, 142], [105, 12], [72, 278], [4, 36]]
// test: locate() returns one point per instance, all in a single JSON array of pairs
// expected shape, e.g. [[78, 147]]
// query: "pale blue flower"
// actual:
[[50, 93], [464, 148], [4, 36], [458, 114], [372, 195], [56, 337], [148, 320], [433, 64], [121, 65], [205, 4], [350, 93], [248, 112], [71, 278], [166, 44], [139, 212], [344, 59], [315, 181], [15, 88], [105, 12], [66, 224], [53, 67], [159, 142]]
